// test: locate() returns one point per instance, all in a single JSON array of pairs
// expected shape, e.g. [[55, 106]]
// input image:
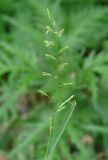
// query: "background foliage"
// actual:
[[24, 113]]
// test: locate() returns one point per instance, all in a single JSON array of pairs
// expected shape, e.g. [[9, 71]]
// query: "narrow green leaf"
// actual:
[[61, 130]]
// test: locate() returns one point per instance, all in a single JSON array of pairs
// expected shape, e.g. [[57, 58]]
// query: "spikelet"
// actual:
[[61, 108], [50, 56], [48, 29], [43, 93], [48, 43], [63, 65], [66, 84], [60, 33], [63, 49], [46, 74], [67, 100], [48, 13]]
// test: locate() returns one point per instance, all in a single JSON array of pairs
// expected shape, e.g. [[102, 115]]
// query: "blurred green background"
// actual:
[[24, 112]]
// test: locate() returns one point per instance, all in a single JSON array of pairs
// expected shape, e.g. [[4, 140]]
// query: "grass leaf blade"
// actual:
[[61, 130]]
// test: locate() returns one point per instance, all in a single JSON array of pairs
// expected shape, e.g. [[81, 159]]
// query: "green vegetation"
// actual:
[[50, 51]]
